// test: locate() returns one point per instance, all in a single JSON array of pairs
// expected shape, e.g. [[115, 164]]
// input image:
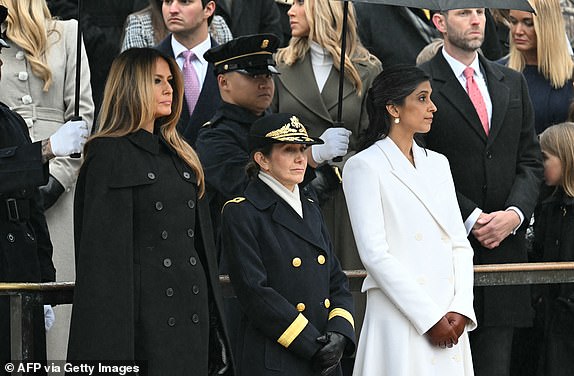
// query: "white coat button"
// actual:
[[450, 280], [26, 99], [421, 280], [23, 76], [20, 55], [419, 236]]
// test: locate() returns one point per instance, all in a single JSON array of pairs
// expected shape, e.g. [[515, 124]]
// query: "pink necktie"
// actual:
[[190, 81], [476, 98]]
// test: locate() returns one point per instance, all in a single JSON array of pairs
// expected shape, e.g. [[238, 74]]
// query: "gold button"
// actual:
[[300, 307], [321, 259], [296, 262], [327, 303]]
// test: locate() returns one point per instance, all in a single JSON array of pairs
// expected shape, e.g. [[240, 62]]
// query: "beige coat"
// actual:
[[44, 113], [413, 244]]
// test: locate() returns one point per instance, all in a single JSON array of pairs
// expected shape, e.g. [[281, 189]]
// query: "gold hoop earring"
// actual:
[[397, 120]]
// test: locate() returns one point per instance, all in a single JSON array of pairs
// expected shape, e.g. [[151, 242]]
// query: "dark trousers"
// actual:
[[491, 348]]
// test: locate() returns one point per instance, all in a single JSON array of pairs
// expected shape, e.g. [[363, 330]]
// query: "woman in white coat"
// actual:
[[38, 82], [410, 237]]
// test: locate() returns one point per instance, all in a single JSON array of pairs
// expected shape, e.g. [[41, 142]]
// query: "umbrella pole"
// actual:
[[78, 71], [339, 121]]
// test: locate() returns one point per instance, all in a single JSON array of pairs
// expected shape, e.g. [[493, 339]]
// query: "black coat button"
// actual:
[[30, 236], [195, 289], [186, 175], [151, 175], [11, 238], [164, 234], [191, 204], [171, 321], [190, 233], [169, 292], [195, 318], [167, 262], [159, 205], [193, 261]]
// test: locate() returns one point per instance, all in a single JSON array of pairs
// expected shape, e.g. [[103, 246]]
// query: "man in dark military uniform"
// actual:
[[25, 247], [244, 67]]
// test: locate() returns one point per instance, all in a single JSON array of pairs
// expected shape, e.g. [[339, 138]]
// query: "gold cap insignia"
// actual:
[[265, 43]]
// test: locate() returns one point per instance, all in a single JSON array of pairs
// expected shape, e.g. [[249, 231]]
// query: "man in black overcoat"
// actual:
[[497, 172]]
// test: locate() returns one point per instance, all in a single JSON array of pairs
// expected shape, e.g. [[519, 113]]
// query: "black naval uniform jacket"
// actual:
[[25, 246], [147, 282], [288, 281], [223, 148]]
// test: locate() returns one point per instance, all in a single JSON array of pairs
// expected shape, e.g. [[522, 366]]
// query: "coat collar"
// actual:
[[145, 140], [446, 84], [263, 198], [417, 180]]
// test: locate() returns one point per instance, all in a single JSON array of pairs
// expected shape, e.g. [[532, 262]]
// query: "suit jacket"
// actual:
[[491, 173], [208, 102], [412, 242], [287, 279], [251, 17]]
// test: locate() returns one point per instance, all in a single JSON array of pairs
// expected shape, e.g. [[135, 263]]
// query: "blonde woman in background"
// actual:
[[539, 49], [38, 83], [308, 86]]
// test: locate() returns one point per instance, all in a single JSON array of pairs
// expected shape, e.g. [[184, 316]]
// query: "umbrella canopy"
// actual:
[[456, 4]]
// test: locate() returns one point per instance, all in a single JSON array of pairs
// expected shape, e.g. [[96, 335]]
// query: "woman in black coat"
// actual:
[[295, 304], [147, 289]]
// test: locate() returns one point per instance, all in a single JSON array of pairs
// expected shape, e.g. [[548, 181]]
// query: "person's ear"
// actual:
[[209, 9], [222, 81], [439, 21], [393, 110], [261, 160]]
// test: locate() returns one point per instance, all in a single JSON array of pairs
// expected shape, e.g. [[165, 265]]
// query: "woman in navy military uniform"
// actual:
[[295, 303], [147, 286]]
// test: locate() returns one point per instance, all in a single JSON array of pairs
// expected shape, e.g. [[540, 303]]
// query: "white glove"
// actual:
[[336, 144], [49, 317], [69, 138]]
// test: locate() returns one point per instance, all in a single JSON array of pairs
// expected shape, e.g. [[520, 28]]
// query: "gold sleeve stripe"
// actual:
[[293, 331], [344, 314], [235, 200]]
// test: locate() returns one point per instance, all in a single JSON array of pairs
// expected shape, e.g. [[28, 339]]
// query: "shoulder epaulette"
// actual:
[[235, 200]]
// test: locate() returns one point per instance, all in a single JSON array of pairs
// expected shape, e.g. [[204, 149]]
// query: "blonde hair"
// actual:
[[27, 25], [325, 19], [558, 140], [129, 103], [553, 58]]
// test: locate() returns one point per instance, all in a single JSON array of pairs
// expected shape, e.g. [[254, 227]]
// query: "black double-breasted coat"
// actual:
[[491, 172], [25, 247], [288, 281], [147, 284]]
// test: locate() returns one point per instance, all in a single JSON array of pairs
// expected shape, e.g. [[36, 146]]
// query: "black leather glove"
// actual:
[[51, 192], [328, 357]]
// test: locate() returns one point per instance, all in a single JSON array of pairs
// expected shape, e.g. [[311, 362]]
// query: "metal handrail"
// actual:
[[24, 296]]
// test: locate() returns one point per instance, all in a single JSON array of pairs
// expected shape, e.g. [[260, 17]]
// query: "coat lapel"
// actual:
[[299, 81], [330, 93], [452, 91], [499, 95], [415, 179], [263, 197]]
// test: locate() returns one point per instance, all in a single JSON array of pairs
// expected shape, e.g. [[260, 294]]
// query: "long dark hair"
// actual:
[[391, 86]]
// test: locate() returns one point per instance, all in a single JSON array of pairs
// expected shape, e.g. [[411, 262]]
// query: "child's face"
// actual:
[[552, 168]]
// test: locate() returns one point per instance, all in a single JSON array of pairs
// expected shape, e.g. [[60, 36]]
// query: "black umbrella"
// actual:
[[423, 4]]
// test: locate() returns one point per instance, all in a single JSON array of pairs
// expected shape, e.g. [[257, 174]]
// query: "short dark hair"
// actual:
[[391, 86]]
